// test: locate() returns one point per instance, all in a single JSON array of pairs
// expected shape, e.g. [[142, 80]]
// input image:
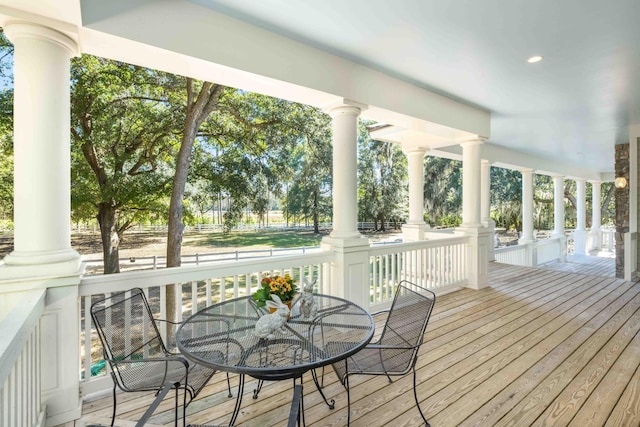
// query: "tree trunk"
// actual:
[[108, 220], [316, 219], [198, 109]]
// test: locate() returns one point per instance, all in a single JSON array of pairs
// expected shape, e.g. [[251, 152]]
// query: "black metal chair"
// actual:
[[395, 353], [137, 355]]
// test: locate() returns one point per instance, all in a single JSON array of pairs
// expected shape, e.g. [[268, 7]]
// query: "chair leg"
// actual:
[[415, 395], [175, 418], [113, 416], [229, 386], [346, 385]]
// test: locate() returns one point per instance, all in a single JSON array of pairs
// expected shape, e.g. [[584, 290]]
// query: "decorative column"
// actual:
[[42, 256], [477, 256], [595, 243], [558, 216], [527, 207], [415, 227], [471, 183], [580, 235], [485, 206], [558, 206], [349, 273], [42, 179]]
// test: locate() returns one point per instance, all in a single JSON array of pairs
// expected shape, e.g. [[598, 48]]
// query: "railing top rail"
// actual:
[[90, 285], [16, 325], [422, 244]]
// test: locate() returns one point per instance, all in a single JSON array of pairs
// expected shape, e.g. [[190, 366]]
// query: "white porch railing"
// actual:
[[201, 287], [20, 402], [513, 255], [531, 254], [437, 264], [433, 264]]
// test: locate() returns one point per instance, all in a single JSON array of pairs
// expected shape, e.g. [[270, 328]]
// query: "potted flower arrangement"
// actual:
[[283, 286]]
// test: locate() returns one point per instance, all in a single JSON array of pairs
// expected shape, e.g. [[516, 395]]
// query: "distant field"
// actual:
[[154, 243]]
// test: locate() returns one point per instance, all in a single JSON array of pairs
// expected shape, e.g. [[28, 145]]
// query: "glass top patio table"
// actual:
[[222, 337]]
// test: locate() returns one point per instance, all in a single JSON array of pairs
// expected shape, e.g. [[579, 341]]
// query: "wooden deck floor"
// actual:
[[604, 264], [538, 347]]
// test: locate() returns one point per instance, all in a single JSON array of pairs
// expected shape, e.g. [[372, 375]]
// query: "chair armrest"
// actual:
[[389, 347]]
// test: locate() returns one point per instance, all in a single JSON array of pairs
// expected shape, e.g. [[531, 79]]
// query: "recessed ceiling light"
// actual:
[[534, 59]]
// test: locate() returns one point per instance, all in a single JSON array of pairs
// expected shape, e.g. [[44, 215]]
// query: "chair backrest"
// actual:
[[126, 327], [406, 322]]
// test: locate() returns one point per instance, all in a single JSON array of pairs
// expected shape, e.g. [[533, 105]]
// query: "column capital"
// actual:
[[473, 141], [486, 162], [594, 181], [414, 150], [344, 106], [526, 170], [580, 180], [16, 30]]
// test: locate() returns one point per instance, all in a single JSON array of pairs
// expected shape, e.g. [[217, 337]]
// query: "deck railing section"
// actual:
[[433, 264], [531, 254], [513, 255], [201, 286], [20, 401], [548, 250]]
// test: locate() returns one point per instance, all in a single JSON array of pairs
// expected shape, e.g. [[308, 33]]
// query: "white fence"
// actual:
[[20, 404]]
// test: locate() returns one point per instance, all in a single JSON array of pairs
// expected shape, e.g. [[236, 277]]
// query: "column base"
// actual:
[[526, 240], [414, 232], [23, 265]]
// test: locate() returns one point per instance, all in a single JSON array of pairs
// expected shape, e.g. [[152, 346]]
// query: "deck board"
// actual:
[[548, 346]]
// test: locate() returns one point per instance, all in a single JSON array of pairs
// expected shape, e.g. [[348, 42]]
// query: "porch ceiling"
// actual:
[[440, 71]]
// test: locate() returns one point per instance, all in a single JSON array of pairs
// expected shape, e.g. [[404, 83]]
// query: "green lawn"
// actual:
[[274, 239]]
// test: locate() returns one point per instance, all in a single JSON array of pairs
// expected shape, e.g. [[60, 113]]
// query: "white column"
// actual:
[[558, 206], [558, 217], [345, 171], [42, 255], [479, 236], [580, 236], [485, 207], [527, 207], [485, 192], [596, 217], [471, 184], [42, 199], [415, 227], [348, 275]]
